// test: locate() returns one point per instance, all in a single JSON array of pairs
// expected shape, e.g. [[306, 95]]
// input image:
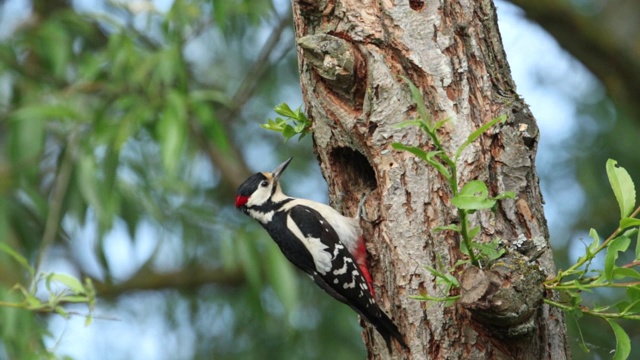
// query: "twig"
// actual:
[[253, 76], [57, 198]]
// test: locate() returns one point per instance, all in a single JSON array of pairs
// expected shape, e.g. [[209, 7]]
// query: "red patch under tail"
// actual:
[[361, 258]]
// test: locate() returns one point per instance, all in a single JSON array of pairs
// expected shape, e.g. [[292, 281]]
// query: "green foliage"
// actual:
[[581, 277], [473, 196], [70, 291], [301, 124], [125, 125], [445, 280], [623, 343], [622, 186], [573, 282]]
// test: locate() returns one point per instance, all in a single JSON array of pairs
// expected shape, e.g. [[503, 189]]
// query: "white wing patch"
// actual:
[[342, 270], [352, 284], [348, 229], [318, 250]]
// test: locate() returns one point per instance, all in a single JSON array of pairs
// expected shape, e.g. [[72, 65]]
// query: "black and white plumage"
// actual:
[[320, 241]]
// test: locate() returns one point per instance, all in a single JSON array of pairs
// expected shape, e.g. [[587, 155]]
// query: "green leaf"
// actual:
[[74, 299], [505, 195], [44, 111], [28, 135], [302, 125], [69, 281], [631, 308], [441, 277], [210, 95], [60, 310], [464, 249], [474, 195], [282, 278], [638, 246], [416, 95], [623, 343], [216, 132], [596, 241], [271, 126], [227, 252], [617, 245], [431, 160], [628, 222], [250, 259], [89, 187], [288, 132], [476, 134], [621, 273], [429, 157], [473, 232], [54, 46], [32, 301], [578, 285], [622, 186], [172, 128], [425, 297], [412, 149], [439, 124], [633, 293], [420, 123], [17, 257], [489, 251], [167, 70], [284, 110], [452, 227]]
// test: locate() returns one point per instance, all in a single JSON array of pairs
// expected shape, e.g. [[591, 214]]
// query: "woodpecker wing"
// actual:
[[335, 269]]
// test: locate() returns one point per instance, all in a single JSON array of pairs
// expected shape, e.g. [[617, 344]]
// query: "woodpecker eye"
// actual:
[[264, 183]]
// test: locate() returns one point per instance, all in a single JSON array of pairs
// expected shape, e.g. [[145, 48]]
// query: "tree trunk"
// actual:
[[352, 55]]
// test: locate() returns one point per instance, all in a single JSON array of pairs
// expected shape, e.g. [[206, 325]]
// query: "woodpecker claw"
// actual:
[[361, 213]]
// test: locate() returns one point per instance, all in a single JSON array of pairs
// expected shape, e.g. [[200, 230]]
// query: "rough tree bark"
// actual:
[[352, 54]]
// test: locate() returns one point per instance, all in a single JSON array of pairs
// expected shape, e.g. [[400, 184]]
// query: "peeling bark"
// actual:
[[352, 55]]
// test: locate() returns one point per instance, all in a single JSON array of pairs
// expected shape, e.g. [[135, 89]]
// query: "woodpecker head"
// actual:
[[260, 188]]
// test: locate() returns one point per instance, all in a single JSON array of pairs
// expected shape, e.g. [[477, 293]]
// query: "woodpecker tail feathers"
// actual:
[[388, 330]]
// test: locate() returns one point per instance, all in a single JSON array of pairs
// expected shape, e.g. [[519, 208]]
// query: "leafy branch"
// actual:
[[580, 277], [571, 283], [62, 289], [468, 199], [445, 282], [295, 122]]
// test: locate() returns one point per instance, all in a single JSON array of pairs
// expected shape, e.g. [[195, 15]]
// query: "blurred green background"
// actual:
[[126, 127]]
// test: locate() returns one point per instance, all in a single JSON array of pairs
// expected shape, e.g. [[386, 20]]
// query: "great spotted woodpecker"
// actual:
[[320, 241]]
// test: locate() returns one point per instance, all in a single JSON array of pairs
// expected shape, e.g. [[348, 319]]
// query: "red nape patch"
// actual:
[[241, 200]]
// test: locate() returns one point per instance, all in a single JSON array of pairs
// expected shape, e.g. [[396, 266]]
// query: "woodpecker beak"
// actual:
[[280, 169]]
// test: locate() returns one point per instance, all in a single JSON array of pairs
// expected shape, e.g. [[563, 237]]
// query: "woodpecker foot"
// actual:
[[361, 214]]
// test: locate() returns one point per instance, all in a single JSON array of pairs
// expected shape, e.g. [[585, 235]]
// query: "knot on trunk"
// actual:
[[338, 63], [504, 297]]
